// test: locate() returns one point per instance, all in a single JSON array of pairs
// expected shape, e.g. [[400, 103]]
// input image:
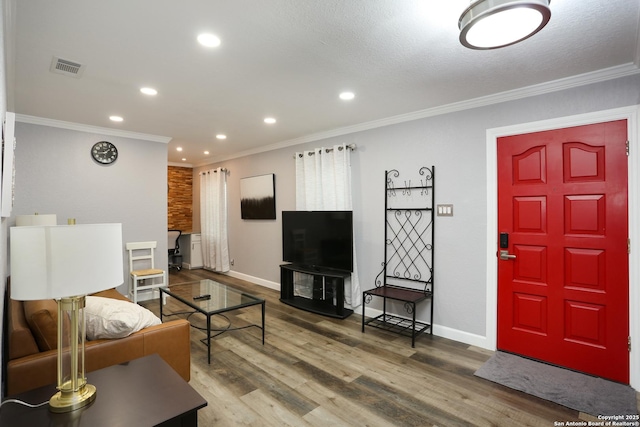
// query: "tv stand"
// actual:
[[319, 291]]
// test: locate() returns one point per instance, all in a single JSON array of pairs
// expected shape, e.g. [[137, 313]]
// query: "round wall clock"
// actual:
[[104, 152]]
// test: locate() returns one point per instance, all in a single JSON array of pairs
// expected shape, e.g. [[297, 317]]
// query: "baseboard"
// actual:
[[257, 280], [443, 331], [462, 336], [188, 266]]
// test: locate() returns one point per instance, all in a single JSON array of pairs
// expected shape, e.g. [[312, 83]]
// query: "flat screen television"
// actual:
[[318, 239]]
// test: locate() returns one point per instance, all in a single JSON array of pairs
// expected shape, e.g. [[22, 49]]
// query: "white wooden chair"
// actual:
[[141, 268]]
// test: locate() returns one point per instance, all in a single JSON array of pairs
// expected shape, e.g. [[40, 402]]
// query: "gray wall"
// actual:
[[455, 144], [56, 174]]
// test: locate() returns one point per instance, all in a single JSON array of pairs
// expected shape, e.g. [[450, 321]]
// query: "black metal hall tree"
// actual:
[[407, 269]]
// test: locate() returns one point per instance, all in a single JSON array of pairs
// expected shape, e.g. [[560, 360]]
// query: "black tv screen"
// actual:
[[318, 239]]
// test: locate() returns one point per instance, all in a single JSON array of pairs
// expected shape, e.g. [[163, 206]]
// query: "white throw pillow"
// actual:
[[112, 318]]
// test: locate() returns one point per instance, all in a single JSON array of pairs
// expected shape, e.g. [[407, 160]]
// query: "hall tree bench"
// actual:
[[408, 267]]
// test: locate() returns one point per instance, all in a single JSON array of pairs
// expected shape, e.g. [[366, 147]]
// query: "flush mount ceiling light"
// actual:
[[490, 24]]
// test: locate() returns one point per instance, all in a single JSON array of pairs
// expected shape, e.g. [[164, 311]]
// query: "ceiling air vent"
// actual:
[[66, 67]]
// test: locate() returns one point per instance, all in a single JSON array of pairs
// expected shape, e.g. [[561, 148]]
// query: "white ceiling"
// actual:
[[288, 59]]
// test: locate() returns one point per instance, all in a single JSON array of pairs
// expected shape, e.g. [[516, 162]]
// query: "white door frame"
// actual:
[[632, 115]]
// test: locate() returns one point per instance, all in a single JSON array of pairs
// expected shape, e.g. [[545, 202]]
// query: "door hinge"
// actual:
[[629, 246], [629, 343], [627, 148]]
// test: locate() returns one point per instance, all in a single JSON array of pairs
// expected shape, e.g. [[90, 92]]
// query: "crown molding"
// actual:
[[90, 129], [511, 95]]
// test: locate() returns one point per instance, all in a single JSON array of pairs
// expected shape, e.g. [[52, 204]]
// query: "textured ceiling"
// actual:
[[288, 59]]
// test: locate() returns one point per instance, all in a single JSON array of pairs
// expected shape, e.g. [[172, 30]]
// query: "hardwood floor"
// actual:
[[318, 371]]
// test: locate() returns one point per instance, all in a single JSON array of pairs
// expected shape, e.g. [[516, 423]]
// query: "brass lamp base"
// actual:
[[67, 401]]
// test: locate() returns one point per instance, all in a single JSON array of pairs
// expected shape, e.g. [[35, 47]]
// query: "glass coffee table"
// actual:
[[211, 298]]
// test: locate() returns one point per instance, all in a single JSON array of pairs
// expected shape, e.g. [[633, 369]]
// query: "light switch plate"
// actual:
[[444, 210]]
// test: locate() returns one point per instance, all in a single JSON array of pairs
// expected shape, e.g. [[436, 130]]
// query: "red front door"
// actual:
[[562, 201]]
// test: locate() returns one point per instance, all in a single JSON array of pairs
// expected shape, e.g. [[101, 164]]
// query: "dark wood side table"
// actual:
[[143, 392]]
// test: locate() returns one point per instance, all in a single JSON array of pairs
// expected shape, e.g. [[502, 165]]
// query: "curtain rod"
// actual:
[[351, 147], [215, 170]]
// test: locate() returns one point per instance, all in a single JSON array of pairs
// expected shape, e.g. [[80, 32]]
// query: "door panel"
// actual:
[[564, 298], [530, 214]]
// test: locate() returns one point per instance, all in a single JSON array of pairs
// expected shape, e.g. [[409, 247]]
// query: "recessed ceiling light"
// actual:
[[149, 91], [221, 136], [206, 153], [208, 40], [270, 120], [116, 118], [178, 148], [184, 159], [347, 96]]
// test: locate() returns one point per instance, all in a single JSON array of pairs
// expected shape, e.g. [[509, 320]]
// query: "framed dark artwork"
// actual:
[[258, 197]]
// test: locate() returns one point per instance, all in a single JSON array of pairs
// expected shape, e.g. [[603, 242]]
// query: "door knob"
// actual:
[[505, 255]]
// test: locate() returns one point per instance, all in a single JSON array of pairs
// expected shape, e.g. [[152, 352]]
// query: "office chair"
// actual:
[[175, 257]]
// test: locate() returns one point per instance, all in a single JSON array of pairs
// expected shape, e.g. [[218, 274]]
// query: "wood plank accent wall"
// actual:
[[180, 198]]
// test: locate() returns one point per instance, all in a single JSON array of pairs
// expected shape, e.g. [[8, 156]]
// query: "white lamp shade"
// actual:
[[47, 219], [51, 262]]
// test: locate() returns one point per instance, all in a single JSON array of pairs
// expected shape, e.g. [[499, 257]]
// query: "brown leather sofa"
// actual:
[[28, 367]]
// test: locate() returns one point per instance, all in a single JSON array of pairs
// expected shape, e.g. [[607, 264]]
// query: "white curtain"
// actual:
[[323, 183], [213, 219]]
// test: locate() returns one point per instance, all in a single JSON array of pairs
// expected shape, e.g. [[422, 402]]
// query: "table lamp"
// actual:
[[65, 263]]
